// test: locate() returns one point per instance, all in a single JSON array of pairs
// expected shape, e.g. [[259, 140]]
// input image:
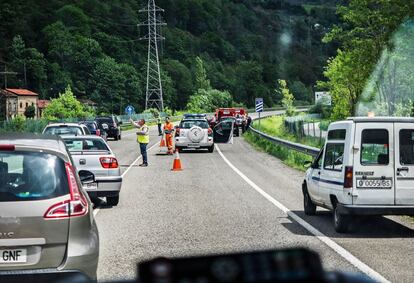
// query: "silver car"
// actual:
[[62, 129], [47, 226], [91, 154]]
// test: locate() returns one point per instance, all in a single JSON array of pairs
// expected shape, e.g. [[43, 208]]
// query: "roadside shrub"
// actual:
[[322, 109]]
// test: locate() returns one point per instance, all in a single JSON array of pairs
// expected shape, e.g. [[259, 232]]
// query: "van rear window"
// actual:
[[26, 176], [375, 147], [407, 147]]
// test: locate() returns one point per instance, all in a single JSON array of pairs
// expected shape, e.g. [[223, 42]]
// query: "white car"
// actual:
[[194, 133], [92, 155], [63, 129], [365, 168]]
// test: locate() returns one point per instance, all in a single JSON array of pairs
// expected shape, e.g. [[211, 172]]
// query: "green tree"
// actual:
[[66, 106], [201, 76], [30, 112], [288, 98]]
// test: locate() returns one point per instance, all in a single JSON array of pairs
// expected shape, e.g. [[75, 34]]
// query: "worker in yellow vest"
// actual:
[[142, 139]]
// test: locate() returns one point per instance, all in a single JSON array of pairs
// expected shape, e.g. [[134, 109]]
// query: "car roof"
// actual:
[[82, 137], [194, 119], [63, 124], [382, 119], [36, 141]]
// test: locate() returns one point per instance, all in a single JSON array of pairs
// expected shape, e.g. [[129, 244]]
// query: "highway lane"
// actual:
[[202, 210], [208, 208]]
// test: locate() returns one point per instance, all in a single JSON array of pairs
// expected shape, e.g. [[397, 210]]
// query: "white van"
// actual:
[[365, 168]]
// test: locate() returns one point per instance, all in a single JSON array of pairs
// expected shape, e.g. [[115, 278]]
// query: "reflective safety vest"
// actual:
[[145, 137]]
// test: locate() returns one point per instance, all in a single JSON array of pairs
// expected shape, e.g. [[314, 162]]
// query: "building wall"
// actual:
[[24, 102], [8, 107]]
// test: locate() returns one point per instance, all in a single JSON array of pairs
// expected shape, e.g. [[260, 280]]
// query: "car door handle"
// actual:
[[82, 161], [403, 169]]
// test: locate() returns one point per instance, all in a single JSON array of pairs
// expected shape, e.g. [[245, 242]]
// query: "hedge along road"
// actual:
[[210, 208]]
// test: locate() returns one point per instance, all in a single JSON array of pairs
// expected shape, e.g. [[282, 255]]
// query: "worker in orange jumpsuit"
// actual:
[[169, 130]]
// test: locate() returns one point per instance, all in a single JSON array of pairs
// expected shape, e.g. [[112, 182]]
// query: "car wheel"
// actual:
[[211, 149], [116, 138], [112, 201], [341, 221], [308, 205], [119, 137]]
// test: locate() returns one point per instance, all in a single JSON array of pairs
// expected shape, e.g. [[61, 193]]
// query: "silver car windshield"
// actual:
[[31, 176], [85, 144], [63, 130]]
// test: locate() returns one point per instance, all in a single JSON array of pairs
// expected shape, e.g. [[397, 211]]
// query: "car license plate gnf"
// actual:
[[13, 256]]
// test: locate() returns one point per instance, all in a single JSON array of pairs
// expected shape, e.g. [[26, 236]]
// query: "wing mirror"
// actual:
[[307, 164], [86, 177]]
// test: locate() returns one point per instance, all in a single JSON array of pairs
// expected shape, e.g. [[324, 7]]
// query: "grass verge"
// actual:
[[289, 157]]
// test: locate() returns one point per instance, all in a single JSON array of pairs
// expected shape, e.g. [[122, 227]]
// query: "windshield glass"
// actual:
[[187, 124], [63, 130], [85, 144], [26, 176]]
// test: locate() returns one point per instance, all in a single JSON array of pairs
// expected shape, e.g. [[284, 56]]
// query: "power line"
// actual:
[[154, 92]]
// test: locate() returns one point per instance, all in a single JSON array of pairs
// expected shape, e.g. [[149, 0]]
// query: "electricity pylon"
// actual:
[[154, 94]]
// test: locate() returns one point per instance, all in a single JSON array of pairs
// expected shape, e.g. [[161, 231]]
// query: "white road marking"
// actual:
[[96, 211], [325, 239]]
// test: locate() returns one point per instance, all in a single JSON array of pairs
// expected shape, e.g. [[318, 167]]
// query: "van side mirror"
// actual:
[[86, 177], [307, 164]]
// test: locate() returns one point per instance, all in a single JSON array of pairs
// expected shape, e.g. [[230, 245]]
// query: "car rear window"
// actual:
[[26, 176], [63, 130], [85, 144], [188, 124], [105, 120]]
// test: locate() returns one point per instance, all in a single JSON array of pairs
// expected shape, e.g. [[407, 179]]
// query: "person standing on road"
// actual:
[[159, 123], [168, 130], [142, 139], [249, 122]]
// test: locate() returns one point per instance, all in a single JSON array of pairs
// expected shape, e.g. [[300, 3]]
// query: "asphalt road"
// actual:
[[234, 201]]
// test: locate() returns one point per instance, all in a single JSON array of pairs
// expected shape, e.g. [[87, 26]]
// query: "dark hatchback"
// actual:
[[97, 129], [114, 126]]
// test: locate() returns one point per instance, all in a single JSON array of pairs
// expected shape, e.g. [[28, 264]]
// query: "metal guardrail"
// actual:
[[312, 151]]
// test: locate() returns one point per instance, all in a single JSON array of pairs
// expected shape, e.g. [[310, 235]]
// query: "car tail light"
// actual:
[[7, 147], [77, 205], [177, 132], [98, 133], [109, 162], [349, 177], [210, 131]]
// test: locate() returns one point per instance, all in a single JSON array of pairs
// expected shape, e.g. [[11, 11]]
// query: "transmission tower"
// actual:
[[154, 94]]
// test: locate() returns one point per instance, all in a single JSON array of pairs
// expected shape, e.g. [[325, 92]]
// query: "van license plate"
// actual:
[[374, 183], [13, 256]]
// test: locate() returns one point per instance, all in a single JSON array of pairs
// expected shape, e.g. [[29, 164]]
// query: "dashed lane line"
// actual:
[[322, 237]]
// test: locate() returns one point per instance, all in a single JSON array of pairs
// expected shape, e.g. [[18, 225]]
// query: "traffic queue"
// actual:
[[50, 184]]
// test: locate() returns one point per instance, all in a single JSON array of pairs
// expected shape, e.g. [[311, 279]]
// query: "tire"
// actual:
[[341, 221], [308, 206], [112, 201], [116, 138], [119, 137], [211, 149]]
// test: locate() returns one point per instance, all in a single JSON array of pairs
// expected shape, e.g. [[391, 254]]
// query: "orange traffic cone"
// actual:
[[163, 147], [177, 162]]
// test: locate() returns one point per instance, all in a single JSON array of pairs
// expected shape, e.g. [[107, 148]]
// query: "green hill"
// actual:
[[93, 45]]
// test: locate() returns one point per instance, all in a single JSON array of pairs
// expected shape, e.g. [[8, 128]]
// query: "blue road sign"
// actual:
[[259, 105], [129, 110]]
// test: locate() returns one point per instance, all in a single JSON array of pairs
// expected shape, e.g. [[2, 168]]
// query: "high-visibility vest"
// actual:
[[143, 138]]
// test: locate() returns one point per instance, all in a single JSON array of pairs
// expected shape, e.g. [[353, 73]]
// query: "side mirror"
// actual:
[[307, 164], [86, 177]]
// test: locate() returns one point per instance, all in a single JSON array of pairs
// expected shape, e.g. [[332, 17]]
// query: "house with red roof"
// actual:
[[14, 101]]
